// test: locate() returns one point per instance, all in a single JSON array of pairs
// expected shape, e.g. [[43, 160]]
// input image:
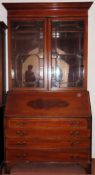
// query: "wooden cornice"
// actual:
[[59, 5]]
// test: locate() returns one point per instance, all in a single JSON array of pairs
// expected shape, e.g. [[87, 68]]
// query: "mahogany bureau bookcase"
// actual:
[[47, 113]]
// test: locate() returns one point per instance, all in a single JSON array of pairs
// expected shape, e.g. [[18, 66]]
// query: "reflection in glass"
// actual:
[[27, 53], [67, 53]]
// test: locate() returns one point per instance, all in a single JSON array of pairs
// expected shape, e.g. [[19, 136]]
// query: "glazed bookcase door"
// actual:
[[28, 63], [68, 56], [48, 53]]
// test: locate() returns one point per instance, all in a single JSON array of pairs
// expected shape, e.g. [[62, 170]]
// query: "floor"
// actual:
[[49, 169]]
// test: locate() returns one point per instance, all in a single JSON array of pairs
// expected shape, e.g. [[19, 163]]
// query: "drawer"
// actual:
[[48, 143], [18, 155], [47, 132], [47, 123]]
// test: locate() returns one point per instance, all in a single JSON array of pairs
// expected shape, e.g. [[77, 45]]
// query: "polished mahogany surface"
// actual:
[[48, 127], [2, 62], [2, 86], [48, 104], [48, 119]]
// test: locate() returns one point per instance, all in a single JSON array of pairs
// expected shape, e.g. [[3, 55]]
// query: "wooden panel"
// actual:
[[48, 104], [48, 143], [1, 69], [45, 155], [45, 123], [45, 132], [47, 9], [48, 13], [2, 62], [70, 5]]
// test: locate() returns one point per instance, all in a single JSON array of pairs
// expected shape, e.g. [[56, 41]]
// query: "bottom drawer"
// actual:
[[45, 156]]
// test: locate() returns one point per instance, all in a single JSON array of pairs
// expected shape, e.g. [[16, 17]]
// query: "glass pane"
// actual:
[[67, 54], [27, 53]]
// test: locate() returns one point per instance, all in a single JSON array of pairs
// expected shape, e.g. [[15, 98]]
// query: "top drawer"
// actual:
[[65, 123]]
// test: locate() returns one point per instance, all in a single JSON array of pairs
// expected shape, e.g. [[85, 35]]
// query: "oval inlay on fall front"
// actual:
[[40, 103]]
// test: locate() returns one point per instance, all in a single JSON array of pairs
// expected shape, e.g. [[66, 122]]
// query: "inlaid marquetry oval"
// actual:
[[41, 103]]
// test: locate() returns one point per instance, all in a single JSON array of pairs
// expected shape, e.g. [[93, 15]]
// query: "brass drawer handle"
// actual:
[[20, 133], [76, 123], [75, 133], [21, 143], [74, 157], [21, 156], [21, 123], [75, 143]]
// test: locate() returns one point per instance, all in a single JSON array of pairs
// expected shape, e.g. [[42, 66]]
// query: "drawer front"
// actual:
[[48, 143], [47, 132], [47, 123], [19, 155]]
